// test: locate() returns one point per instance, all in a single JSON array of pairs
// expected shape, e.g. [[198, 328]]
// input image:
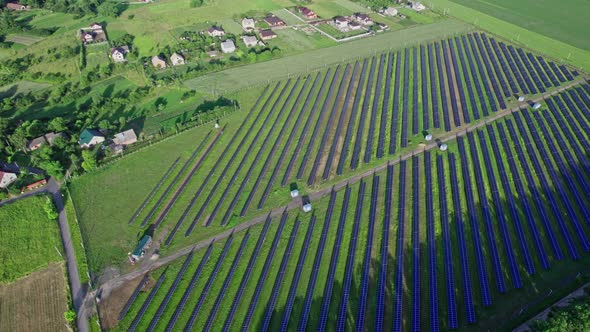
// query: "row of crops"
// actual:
[[441, 240], [328, 125]]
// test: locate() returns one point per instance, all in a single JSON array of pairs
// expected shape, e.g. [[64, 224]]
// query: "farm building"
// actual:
[[17, 6], [125, 138], [250, 41], [158, 62], [118, 53], [267, 34], [362, 18], [274, 21], [215, 32], [141, 247], [7, 178], [176, 59], [248, 24], [34, 185], [228, 46], [308, 13], [90, 137]]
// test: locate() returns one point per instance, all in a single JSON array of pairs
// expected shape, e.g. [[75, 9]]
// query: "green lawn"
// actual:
[[21, 87], [97, 55], [29, 240]]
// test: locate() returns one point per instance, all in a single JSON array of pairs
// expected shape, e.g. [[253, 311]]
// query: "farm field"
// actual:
[[26, 228], [535, 16], [24, 39], [36, 302], [21, 87], [556, 48], [436, 241], [228, 178]]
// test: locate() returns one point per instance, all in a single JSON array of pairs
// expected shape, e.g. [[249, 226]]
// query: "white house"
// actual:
[[125, 138], [417, 6], [341, 22], [215, 32], [90, 137], [158, 62], [250, 41], [390, 11], [7, 178], [118, 53], [176, 59], [228, 46], [248, 24]]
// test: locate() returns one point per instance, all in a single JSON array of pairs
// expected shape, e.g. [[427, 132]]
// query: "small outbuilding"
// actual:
[[294, 193], [141, 247], [228, 46], [274, 21], [158, 62], [267, 34], [248, 24], [536, 106], [250, 41], [125, 138], [215, 32], [443, 147]]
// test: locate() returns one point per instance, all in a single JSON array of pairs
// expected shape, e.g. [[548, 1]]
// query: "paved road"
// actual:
[[75, 285]]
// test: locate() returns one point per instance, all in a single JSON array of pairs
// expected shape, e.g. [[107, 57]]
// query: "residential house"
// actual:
[[213, 54], [96, 26], [354, 25], [389, 11], [362, 18], [51, 137], [36, 143], [228, 46], [176, 59], [158, 62], [90, 137], [274, 21], [250, 41], [341, 22], [215, 32], [17, 6], [417, 6], [88, 37], [248, 24], [267, 34], [7, 178], [308, 13], [118, 53], [125, 138]]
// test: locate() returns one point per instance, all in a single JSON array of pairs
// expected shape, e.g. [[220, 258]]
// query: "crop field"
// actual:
[[36, 302], [24, 39], [313, 131], [436, 241], [533, 15], [25, 228]]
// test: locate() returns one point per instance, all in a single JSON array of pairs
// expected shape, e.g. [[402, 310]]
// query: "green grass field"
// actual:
[[29, 241], [21, 87], [543, 17], [555, 48]]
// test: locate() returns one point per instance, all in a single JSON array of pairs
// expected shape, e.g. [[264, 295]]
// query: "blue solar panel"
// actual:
[[406, 82], [505, 67], [341, 120], [484, 80], [365, 108], [447, 246], [517, 75], [467, 78], [431, 239], [272, 302], [424, 73], [395, 112], [557, 72], [522, 70], [442, 87], [542, 76], [477, 244], [482, 41], [264, 273], [548, 71], [451, 82], [147, 303], [415, 95], [374, 110], [384, 252], [316, 265], [459, 77], [364, 288], [548, 192], [467, 291], [333, 263], [433, 89], [415, 245], [295, 282], [530, 70], [238, 297], [474, 74], [341, 318], [189, 325], [491, 77], [399, 269], [512, 204]]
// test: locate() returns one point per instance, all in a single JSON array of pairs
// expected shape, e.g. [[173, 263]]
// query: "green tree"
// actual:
[[110, 9], [49, 208], [53, 168], [70, 316], [89, 162], [574, 317], [57, 124]]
